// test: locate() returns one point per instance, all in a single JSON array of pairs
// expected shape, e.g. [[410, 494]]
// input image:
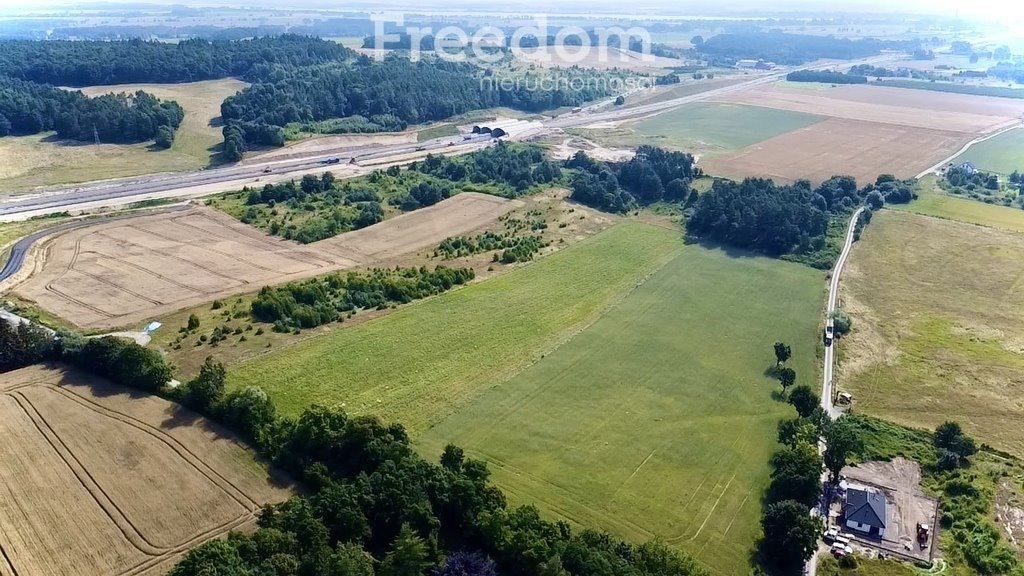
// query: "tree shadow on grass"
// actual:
[[728, 250]]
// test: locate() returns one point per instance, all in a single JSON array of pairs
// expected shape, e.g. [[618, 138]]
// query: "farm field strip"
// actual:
[[656, 420], [92, 489], [423, 362], [941, 205], [840, 146], [117, 273], [920, 112]]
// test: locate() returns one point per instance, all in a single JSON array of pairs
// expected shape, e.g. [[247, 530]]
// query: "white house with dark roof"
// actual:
[[864, 511]]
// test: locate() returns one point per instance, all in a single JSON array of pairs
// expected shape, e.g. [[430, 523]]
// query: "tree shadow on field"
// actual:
[[779, 396], [772, 371], [728, 250]]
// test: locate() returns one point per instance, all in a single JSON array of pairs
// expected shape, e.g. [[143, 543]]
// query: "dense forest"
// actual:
[[652, 175], [30, 108], [795, 49], [757, 214], [827, 76], [90, 63]]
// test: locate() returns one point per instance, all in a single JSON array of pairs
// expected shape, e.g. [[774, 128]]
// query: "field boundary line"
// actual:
[[131, 533], [183, 452]]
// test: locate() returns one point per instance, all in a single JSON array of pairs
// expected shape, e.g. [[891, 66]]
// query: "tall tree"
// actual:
[[790, 535], [787, 377], [782, 352], [408, 555], [841, 440], [804, 400]]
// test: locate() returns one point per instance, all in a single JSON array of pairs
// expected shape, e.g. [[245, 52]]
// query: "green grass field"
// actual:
[[938, 310], [933, 201], [972, 89], [436, 131], [420, 364], [1001, 154], [658, 419], [720, 127], [703, 128]]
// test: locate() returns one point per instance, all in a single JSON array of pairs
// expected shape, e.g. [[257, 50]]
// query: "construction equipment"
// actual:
[[922, 534]]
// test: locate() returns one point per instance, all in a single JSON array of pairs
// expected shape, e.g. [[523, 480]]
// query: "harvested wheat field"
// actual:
[[103, 481], [871, 130], [126, 271], [837, 146]]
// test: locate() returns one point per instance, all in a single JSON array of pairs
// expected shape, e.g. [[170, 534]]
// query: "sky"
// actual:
[[1002, 10]]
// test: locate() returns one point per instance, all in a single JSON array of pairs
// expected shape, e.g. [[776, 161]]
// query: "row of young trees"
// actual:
[[320, 301], [513, 248], [30, 108], [517, 167]]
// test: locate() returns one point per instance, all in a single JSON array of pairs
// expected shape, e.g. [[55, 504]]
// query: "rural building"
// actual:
[[747, 63], [864, 511], [969, 168]]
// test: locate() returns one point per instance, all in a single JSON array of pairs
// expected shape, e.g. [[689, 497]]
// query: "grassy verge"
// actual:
[[974, 90], [419, 364], [437, 131], [658, 419]]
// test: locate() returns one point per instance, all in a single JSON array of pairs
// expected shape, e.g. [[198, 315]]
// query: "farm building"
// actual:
[[864, 511], [969, 168]]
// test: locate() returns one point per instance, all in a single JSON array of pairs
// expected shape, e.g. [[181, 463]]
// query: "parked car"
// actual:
[[830, 535]]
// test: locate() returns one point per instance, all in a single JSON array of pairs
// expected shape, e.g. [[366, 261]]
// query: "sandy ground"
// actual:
[[103, 481], [125, 272], [327, 143], [900, 481], [840, 146], [570, 146]]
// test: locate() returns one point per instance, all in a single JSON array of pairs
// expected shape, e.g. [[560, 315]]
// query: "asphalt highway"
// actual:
[[124, 191]]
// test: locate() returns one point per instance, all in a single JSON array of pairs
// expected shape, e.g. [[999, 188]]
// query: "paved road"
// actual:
[[811, 568], [833, 297], [126, 190], [20, 248]]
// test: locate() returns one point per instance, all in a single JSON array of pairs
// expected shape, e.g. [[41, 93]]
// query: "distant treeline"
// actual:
[[90, 63], [30, 108], [826, 76], [795, 49]]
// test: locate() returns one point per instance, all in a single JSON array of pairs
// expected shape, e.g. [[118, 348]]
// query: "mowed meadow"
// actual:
[[619, 383], [420, 363], [658, 420]]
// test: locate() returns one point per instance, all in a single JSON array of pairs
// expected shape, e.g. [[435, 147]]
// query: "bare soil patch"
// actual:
[[859, 148], [328, 143], [900, 481], [119, 273], [100, 480]]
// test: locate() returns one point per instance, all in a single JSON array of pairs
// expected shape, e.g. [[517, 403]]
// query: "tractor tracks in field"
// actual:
[[155, 554]]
